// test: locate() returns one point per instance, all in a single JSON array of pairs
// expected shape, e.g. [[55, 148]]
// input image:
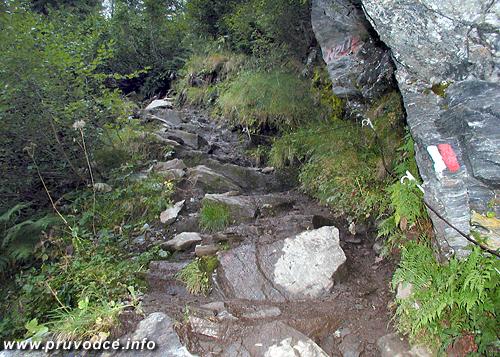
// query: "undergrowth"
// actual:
[[82, 275], [449, 301]]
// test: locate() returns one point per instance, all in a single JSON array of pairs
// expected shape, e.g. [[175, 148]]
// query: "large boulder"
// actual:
[[299, 267], [358, 66], [208, 180], [447, 71]]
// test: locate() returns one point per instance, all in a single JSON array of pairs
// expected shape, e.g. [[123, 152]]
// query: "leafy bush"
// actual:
[[258, 99], [50, 81], [405, 214], [127, 207], [214, 216], [77, 265], [147, 36], [197, 275], [450, 301]]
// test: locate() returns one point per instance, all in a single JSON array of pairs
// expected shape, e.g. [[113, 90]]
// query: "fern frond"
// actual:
[[6, 217]]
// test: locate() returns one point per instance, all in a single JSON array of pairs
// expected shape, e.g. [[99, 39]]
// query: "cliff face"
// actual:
[[445, 55]]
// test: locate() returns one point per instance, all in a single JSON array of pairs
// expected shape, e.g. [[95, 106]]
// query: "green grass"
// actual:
[[449, 302], [277, 99], [87, 320], [214, 216], [197, 275]]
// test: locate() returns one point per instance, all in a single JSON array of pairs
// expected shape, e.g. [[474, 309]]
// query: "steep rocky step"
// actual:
[[288, 281]]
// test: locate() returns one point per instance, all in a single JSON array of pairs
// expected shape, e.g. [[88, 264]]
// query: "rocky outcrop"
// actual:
[[446, 57], [358, 67]]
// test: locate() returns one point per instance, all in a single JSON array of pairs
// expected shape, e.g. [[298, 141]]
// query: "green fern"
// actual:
[[18, 240], [451, 300]]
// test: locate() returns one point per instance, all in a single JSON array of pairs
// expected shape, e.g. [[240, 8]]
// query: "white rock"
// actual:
[[170, 214], [182, 241], [159, 103], [309, 262]]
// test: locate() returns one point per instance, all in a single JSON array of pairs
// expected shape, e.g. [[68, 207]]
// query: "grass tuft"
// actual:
[[197, 275], [276, 99], [214, 216]]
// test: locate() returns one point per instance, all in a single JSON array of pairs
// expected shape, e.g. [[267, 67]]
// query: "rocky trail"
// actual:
[[291, 280]]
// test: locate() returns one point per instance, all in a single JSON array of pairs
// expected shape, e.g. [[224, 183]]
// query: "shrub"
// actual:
[[449, 302], [214, 216], [277, 99], [50, 81]]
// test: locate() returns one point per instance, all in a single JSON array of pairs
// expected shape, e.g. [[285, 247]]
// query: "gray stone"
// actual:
[[102, 187], [174, 164], [404, 291], [170, 214], [241, 208], [248, 178], [309, 262], [267, 170], [392, 345], [168, 117], [269, 312], [185, 138], [173, 175], [182, 241], [159, 328], [437, 43], [351, 346], [210, 181], [206, 250], [139, 240], [206, 327], [299, 267]]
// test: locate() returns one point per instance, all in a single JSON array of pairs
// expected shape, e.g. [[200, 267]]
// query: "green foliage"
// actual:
[[405, 212], [147, 35], [88, 320], [19, 237], [276, 99], [127, 207], [50, 81], [34, 330], [449, 301], [197, 275], [256, 27], [214, 216]]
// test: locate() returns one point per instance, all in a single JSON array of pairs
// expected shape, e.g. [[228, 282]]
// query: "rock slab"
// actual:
[[300, 267]]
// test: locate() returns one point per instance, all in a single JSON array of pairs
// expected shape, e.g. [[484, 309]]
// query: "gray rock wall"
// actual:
[[446, 58]]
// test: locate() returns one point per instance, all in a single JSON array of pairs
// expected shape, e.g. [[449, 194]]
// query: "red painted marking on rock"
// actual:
[[449, 157]]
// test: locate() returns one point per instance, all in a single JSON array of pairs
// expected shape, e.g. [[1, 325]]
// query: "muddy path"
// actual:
[[291, 280]]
